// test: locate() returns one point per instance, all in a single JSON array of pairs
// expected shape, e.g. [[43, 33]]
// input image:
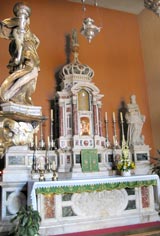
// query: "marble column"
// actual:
[[61, 119], [95, 120], [75, 118], [100, 119]]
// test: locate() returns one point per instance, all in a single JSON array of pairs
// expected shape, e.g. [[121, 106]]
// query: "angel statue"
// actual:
[[24, 63]]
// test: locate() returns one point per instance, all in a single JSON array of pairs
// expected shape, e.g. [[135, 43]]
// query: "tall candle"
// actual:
[[121, 116], [51, 114], [41, 166], [106, 118], [53, 165], [48, 141], [114, 140], [35, 140], [114, 118]]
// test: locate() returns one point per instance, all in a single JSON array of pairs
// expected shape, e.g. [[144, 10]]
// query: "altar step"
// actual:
[[152, 233], [146, 229]]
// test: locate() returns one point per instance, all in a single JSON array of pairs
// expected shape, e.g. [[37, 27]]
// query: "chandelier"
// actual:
[[89, 30], [153, 5]]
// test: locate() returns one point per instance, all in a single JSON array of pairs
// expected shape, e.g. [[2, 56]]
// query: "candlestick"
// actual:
[[108, 145], [41, 142], [106, 118], [115, 141], [114, 118], [122, 127], [51, 129]]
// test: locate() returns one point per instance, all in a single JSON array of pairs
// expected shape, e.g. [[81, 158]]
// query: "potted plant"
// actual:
[[125, 165], [26, 222]]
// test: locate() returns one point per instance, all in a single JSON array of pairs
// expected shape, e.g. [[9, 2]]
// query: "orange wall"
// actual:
[[150, 36], [114, 54]]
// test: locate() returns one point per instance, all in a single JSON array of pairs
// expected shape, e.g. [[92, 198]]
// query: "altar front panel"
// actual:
[[74, 206]]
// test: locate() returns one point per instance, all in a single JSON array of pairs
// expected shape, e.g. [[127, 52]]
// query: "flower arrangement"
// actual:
[[125, 164], [155, 164]]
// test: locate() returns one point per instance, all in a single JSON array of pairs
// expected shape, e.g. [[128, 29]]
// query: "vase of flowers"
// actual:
[[126, 173], [125, 165]]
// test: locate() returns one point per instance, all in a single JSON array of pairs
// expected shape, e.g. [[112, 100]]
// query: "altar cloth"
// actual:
[[83, 185]]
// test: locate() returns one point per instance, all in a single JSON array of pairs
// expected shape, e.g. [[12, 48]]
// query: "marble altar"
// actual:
[[80, 205]]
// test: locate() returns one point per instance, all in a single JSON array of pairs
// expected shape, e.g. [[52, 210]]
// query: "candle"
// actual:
[[53, 165], [121, 116], [35, 141], [48, 142], [114, 119], [51, 114], [106, 118], [41, 166], [114, 140]]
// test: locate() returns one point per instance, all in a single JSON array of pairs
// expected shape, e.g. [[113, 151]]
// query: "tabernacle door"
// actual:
[[89, 158]]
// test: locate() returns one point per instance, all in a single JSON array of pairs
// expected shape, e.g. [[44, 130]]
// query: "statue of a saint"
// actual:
[[24, 63], [135, 123]]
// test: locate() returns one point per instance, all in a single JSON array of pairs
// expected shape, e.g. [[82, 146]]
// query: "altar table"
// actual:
[[87, 204]]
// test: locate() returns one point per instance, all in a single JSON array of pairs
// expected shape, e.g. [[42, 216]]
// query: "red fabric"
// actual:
[[112, 230]]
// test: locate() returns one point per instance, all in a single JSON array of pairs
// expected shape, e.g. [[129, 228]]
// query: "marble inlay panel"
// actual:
[[49, 206], [145, 197]]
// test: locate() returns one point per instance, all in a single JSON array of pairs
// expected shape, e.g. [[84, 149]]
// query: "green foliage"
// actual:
[[155, 167], [26, 222]]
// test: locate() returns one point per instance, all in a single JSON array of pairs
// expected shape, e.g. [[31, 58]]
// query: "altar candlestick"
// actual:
[[107, 138], [116, 145], [51, 128], [121, 116], [114, 119], [106, 118]]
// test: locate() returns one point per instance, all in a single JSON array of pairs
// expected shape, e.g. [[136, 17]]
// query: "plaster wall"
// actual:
[[150, 37]]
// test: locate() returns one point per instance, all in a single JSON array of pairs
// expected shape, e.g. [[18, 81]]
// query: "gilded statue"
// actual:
[[24, 63]]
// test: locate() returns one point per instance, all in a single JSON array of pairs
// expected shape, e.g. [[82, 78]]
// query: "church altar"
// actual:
[[87, 204], [82, 190]]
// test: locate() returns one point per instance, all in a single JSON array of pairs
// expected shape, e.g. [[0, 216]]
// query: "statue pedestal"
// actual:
[[141, 157], [23, 109]]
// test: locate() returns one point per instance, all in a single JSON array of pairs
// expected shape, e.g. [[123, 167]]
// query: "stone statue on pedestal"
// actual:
[[135, 123]]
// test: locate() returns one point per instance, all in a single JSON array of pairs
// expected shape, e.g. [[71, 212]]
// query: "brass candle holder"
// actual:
[[55, 174], [48, 164], [41, 174], [115, 141]]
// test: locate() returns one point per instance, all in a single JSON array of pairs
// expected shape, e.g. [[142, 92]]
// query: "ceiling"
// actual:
[[130, 6]]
